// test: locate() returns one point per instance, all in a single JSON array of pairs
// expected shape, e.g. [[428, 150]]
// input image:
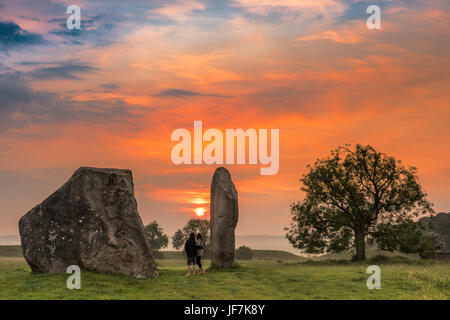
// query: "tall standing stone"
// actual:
[[92, 222], [224, 217]]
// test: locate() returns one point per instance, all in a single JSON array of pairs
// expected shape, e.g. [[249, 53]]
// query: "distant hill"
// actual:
[[9, 240], [275, 255], [258, 242], [266, 242], [441, 224]]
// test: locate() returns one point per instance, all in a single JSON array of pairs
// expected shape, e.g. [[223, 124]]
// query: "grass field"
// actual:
[[327, 279]]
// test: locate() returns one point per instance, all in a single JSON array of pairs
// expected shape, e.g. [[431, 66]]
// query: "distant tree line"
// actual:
[[159, 240]]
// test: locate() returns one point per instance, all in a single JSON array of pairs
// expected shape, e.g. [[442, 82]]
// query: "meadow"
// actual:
[[266, 277]]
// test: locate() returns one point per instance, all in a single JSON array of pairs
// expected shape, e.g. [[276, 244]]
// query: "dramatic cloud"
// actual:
[[12, 35], [109, 86], [304, 7], [13, 93], [339, 36], [178, 9], [179, 93], [22, 106], [66, 70], [30, 18]]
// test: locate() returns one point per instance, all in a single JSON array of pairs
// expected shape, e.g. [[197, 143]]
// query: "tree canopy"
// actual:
[[196, 226], [156, 236], [244, 253], [350, 196]]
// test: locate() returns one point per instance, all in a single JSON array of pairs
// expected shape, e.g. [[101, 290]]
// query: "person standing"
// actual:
[[191, 251], [199, 245]]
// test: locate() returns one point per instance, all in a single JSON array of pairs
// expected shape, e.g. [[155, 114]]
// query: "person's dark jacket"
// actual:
[[190, 247]]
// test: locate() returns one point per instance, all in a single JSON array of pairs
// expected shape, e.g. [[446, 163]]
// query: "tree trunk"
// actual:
[[360, 245]]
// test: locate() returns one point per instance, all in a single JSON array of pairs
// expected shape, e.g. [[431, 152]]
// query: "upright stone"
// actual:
[[224, 217], [92, 222]]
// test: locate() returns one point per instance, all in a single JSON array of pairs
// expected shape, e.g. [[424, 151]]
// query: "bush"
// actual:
[[331, 262], [382, 259], [244, 253]]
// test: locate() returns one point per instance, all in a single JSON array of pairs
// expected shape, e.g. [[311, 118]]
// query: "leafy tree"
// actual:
[[156, 236], [244, 253], [178, 239], [408, 237], [352, 194], [196, 226]]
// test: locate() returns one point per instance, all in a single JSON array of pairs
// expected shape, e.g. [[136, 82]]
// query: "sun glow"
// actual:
[[200, 211], [199, 201]]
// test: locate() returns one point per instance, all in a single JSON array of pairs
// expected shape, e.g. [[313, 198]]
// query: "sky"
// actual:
[[111, 94]]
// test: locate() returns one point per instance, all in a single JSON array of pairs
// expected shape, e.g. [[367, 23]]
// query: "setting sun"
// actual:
[[200, 211]]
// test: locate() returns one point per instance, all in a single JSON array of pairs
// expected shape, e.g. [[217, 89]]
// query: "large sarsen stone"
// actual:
[[224, 217], [91, 221]]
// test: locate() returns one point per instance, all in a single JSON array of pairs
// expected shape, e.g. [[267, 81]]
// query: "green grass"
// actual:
[[400, 279]]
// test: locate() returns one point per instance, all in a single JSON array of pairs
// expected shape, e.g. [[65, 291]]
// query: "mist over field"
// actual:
[[266, 242], [10, 240], [258, 242]]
